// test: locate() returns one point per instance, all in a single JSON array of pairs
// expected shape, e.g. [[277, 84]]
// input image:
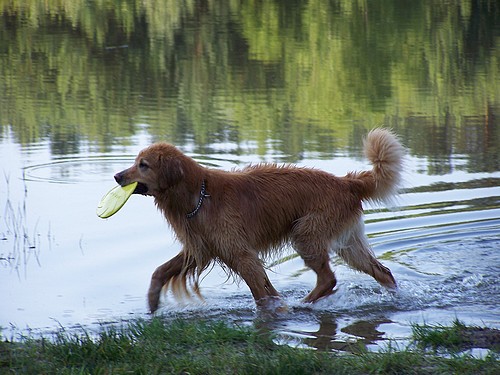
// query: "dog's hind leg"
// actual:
[[357, 253], [174, 268], [308, 241], [319, 262], [250, 268]]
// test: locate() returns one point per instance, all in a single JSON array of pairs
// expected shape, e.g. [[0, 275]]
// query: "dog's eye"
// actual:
[[143, 165]]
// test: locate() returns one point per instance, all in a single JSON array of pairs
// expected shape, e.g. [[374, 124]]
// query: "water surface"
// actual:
[[85, 86]]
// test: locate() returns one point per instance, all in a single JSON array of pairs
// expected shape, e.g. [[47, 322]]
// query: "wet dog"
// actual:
[[237, 218]]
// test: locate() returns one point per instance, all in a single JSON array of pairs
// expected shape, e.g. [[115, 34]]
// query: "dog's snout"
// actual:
[[119, 177]]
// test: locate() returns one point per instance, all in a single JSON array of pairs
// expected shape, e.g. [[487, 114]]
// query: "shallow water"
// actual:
[[84, 91], [67, 267]]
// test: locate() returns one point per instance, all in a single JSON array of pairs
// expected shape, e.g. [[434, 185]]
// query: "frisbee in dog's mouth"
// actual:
[[115, 199]]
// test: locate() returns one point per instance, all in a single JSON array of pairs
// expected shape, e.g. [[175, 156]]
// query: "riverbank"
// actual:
[[206, 347]]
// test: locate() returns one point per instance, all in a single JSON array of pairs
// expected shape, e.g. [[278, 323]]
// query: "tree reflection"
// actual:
[[292, 77]]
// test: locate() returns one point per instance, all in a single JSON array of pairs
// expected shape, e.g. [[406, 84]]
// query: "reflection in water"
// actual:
[[20, 244], [353, 338], [311, 77], [327, 335]]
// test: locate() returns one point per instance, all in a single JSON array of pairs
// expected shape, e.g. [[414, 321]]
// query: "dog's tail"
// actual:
[[386, 154]]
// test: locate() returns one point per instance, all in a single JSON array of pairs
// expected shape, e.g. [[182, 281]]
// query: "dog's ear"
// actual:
[[170, 172]]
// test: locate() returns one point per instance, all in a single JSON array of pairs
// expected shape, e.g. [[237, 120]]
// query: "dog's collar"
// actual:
[[203, 195]]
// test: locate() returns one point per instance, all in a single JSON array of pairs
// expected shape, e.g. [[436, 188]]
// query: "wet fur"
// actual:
[[253, 212]]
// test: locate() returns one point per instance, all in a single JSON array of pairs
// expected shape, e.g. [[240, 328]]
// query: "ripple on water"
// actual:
[[77, 170], [80, 169]]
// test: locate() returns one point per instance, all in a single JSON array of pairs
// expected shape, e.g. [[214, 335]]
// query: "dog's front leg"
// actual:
[[162, 276]]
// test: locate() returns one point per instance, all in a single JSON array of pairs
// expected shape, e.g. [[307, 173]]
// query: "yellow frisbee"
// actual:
[[114, 200]]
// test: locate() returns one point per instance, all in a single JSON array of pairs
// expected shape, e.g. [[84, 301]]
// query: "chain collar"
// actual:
[[203, 195]]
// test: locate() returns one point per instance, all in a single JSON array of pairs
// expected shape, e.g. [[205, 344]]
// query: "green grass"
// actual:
[[202, 347], [456, 338]]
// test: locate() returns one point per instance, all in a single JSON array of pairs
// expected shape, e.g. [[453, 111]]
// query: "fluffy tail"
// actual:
[[386, 155]]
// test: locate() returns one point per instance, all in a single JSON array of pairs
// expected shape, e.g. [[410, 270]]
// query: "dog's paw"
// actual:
[[272, 305], [154, 295]]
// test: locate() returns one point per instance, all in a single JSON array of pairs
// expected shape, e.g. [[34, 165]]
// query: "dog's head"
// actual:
[[156, 169]]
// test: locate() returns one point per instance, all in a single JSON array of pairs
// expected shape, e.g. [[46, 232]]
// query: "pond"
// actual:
[[86, 85]]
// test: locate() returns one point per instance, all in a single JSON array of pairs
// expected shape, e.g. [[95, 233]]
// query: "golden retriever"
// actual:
[[236, 218]]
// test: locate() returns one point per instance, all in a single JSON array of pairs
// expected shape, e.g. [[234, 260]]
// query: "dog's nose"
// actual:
[[118, 177]]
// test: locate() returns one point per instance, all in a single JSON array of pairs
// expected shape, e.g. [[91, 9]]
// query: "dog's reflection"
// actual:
[[330, 336]]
